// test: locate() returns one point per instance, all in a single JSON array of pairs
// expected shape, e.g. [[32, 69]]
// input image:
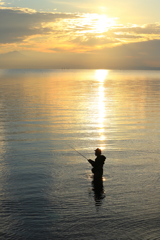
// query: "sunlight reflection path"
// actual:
[[101, 76]]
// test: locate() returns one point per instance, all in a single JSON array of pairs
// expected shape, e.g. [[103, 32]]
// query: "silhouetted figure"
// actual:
[[97, 164]]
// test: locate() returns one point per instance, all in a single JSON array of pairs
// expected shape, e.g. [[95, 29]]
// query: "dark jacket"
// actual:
[[98, 165]]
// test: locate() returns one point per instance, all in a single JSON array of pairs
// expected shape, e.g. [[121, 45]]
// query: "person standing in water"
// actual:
[[97, 164]]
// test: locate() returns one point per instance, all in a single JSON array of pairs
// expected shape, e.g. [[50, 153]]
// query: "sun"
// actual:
[[97, 23], [103, 23]]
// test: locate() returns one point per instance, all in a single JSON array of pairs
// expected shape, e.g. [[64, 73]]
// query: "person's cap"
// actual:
[[98, 150]]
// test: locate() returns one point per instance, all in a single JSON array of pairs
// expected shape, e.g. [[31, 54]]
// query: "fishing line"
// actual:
[[76, 151]]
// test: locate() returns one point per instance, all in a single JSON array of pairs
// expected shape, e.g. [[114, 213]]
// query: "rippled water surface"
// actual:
[[46, 189]]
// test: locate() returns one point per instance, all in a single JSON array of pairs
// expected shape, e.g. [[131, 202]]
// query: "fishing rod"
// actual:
[[77, 151]]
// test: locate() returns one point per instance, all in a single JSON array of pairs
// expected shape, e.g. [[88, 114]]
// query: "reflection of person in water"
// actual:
[[97, 164], [97, 187]]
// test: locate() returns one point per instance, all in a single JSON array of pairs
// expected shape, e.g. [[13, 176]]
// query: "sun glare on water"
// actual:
[[101, 74]]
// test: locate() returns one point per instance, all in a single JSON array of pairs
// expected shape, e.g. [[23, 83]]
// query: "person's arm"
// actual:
[[91, 162]]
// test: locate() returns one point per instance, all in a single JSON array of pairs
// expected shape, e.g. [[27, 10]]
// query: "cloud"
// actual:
[[19, 23], [2, 3], [138, 30], [75, 41], [25, 28], [93, 41], [133, 55], [117, 35]]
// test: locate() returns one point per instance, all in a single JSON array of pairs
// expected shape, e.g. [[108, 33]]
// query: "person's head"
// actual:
[[98, 152]]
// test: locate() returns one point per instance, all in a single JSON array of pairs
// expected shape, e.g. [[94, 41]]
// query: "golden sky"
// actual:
[[80, 34]]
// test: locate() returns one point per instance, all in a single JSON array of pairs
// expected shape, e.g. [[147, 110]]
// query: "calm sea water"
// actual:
[[46, 189]]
